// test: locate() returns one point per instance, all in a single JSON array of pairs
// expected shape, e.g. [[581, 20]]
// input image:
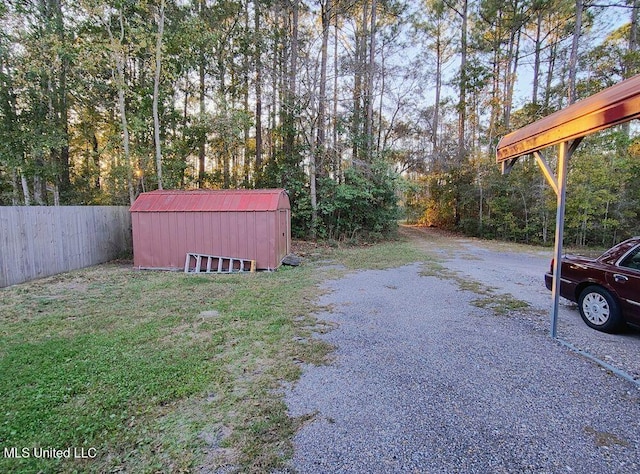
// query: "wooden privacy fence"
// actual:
[[38, 241]]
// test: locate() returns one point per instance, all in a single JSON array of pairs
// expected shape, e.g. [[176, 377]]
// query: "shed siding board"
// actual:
[[171, 247], [235, 240], [218, 224], [161, 226], [176, 233], [185, 240], [136, 225], [252, 248], [244, 235], [203, 238], [140, 236], [271, 248], [281, 233], [230, 235], [273, 244], [276, 239], [263, 244], [224, 233], [196, 235], [255, 242], [153, 235], [166, 248], [262, 227], [160, 248]]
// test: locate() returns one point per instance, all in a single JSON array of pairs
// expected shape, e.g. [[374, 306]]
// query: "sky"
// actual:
[[608, 21]]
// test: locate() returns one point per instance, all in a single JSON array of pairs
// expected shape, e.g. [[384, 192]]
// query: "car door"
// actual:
[[625, 280]]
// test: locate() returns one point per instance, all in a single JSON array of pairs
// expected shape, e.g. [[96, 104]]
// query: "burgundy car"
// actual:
[[607, 289]]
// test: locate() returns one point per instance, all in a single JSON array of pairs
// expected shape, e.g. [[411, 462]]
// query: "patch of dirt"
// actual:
[[309, 249], [218, 459], [604, 439]]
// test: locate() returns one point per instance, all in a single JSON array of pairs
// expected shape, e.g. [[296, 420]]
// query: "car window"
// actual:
[[632, 260]]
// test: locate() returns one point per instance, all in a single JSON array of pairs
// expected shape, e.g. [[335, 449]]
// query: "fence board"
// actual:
[[38, 241]]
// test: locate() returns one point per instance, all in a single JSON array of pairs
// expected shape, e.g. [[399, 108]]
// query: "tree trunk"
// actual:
[[25, 190], [573, 58], [290, 95], [14, 187], [438, 92], [511, 74], [39, 186], [119, 79], [156, 93], [462, 102], [370, 73], [536, 60], [549, 79], [258, 62], [59, 106], [495, 92], [359, 55], [335, 156], [322, 93], [633, 35], [95, 154], [320, 154], [125, 130], [223, 150], [202, 92]]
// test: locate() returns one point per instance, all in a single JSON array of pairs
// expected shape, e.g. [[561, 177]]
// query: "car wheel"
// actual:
[[599, 309]]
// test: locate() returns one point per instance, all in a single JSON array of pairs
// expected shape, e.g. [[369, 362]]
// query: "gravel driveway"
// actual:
[[425, 381], [521, 275]]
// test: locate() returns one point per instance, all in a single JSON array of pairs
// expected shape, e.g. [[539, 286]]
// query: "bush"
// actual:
[[364, 205]]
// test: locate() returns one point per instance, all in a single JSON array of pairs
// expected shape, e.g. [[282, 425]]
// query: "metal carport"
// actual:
[[566, 128]]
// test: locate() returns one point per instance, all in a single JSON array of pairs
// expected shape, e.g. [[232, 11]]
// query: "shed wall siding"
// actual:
[[249, 224], [162, 239]]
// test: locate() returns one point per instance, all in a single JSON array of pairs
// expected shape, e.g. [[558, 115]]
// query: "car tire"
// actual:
[[599, 309]]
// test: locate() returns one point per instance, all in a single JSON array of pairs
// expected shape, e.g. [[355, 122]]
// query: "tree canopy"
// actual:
[[353, 107]]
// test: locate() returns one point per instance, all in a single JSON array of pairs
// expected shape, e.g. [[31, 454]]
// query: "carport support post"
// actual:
[[559, 185], [561, 194]]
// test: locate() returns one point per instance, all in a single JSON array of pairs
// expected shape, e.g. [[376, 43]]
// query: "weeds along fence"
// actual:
[[38, 241]]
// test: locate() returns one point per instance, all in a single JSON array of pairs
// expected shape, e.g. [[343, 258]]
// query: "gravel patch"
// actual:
[[424, 381]]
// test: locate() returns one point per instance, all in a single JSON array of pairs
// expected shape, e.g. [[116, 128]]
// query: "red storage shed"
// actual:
[[245, 224]]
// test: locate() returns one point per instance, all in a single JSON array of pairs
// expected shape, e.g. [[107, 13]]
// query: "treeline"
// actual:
[[603, 197], [352, 106]]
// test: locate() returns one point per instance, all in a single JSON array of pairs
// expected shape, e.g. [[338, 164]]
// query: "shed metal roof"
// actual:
[[211, 200], [612, 106]]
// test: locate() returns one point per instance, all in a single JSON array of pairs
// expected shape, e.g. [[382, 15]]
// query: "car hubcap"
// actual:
[[596, 308]]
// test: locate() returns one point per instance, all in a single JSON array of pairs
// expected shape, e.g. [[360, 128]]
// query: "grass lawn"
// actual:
[[108, 369]]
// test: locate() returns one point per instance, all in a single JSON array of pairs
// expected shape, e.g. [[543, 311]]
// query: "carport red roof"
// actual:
[[211, 200], [612, 106]]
